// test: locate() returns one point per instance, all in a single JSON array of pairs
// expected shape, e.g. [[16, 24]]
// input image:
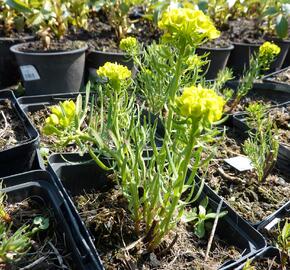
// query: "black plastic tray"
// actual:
[[264, 90], [75, 174], [281, 213], [19, 158], [39, 184], [279, 86], [283, 159], [268, 253]]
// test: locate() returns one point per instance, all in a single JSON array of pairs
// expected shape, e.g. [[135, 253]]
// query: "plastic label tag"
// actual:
[[272, 224], [241, 163], [29, 73]]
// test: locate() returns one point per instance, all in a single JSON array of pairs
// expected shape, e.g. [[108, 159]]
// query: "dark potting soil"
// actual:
[[221, 42], [12, 131], [48, 250], [252, 199], [101, 36], [55, 46], [267, 264], [243, 30], [107, 216], [283, 77]]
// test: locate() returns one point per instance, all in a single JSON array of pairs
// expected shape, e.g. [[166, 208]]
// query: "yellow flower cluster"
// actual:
[[62, 115], [267, 54], [128, 44], [114, 72], [200, 103], [188, 23], [269, 48]]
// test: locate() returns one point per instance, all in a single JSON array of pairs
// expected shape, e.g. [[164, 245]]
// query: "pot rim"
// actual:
[[15, 49], [17, 38], [246, 44], [229, 48], [108, 53]]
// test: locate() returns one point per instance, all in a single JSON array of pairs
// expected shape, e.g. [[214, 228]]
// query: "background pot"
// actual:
[[96, 59], [51, 72], [218, 58], [240, 56], [9, 74], [21, 157]]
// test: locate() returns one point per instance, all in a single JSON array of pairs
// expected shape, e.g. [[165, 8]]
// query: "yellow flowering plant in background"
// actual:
[[267, 54], [261, 61]]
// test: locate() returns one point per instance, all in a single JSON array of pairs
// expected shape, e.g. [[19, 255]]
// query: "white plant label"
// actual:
[[241, 163], [29, 73], [272, 224]]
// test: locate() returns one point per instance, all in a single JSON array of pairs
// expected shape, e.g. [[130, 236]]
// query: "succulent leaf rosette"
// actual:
[[200, 104], [187, 24], [62, 116], [129, 44]]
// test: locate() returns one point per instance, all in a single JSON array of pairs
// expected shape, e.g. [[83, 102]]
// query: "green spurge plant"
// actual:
[[283, 243], [184, 30], [159, 188], [262, 145], [262, 61]]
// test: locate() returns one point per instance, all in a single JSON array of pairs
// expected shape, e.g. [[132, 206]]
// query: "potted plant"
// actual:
[[155, 195], [263, 21], [115, 21], [218, 51], [13, 30], [53, 64]]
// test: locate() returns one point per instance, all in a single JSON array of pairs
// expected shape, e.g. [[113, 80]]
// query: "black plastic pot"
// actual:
[[9, 74], [75, 175], [283, 159], [218, 58], [96, 59], [277, 85], [287, 60], [19, 158], [51, 72], [240, 57], [268, 253], [39, 186]]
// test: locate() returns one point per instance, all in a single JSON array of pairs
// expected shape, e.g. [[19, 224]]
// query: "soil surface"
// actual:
[[48, 250], [107, 216], [283, 77], [221, 42], [244, 31], [60, 46], [252, 199], [12, 130], [266, 264]]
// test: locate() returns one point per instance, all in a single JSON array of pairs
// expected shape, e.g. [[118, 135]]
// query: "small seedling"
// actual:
[[262, 145], [283, 243]]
